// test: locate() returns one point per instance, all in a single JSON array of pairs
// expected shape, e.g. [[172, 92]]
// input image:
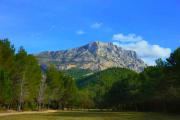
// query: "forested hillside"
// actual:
[[157, 88], [77, 73], [27, 85]]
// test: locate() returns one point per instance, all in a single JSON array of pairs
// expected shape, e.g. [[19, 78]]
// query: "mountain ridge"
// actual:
[[94, 56]]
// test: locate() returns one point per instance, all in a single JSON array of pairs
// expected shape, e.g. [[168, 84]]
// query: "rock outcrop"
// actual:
[[94, 56]]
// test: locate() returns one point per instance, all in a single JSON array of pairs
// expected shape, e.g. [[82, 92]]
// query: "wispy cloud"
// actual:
[[80, 32], [52, 27], [97, 25], [127, 38], [148, 52]]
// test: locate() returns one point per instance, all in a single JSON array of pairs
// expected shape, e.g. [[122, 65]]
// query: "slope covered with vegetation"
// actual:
[[24, 84], [157, 88], [77, 73], [101, 82]]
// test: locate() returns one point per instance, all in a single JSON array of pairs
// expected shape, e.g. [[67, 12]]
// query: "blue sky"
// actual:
[[40, 25]]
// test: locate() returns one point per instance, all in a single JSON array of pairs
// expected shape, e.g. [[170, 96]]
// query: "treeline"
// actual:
[[157, 88], [25, 85]]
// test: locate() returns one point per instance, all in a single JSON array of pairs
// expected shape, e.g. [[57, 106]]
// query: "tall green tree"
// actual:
[[6, 91], [70, 92], [7, 53], [27, 78], [19, 77], [55, 88], [33, 78], [173, 78]]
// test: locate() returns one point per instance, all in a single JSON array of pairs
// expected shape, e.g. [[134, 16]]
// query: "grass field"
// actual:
[[92, 116]]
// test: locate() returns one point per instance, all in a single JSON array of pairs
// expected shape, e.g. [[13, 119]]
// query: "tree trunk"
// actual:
[[41, 92], [21, 93]]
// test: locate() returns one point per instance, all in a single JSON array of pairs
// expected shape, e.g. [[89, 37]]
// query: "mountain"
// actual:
[[94, 56]]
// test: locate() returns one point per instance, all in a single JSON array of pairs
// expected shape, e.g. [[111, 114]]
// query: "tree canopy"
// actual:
[[25, 84]]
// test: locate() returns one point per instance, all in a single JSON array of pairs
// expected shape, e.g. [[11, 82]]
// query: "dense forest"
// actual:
[[27, 85], [24, 84]]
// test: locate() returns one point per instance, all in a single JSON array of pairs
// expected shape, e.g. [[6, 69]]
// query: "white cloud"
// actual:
[[97, 25], [149, 53], [127, 38], [80, 32]]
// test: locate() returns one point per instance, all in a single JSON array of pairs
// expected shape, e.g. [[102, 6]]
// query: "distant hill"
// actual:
[[77, 73], [99, 83], [94, 56], [105, 78]]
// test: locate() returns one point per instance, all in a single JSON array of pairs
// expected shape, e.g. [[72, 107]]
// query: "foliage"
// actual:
[[78, 73], [101, 82], [25, 85]]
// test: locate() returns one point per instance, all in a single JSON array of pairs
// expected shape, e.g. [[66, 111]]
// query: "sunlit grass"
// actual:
[[92, 116]]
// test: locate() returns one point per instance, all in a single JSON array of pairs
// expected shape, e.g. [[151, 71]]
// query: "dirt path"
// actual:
[[29, 112]]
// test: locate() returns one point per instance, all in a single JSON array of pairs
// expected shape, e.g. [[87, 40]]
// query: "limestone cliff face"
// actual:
[[94, 56]]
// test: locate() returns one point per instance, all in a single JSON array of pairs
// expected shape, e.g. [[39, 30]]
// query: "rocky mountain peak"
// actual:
[[95, 56], [100, 44], [98, 47]]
